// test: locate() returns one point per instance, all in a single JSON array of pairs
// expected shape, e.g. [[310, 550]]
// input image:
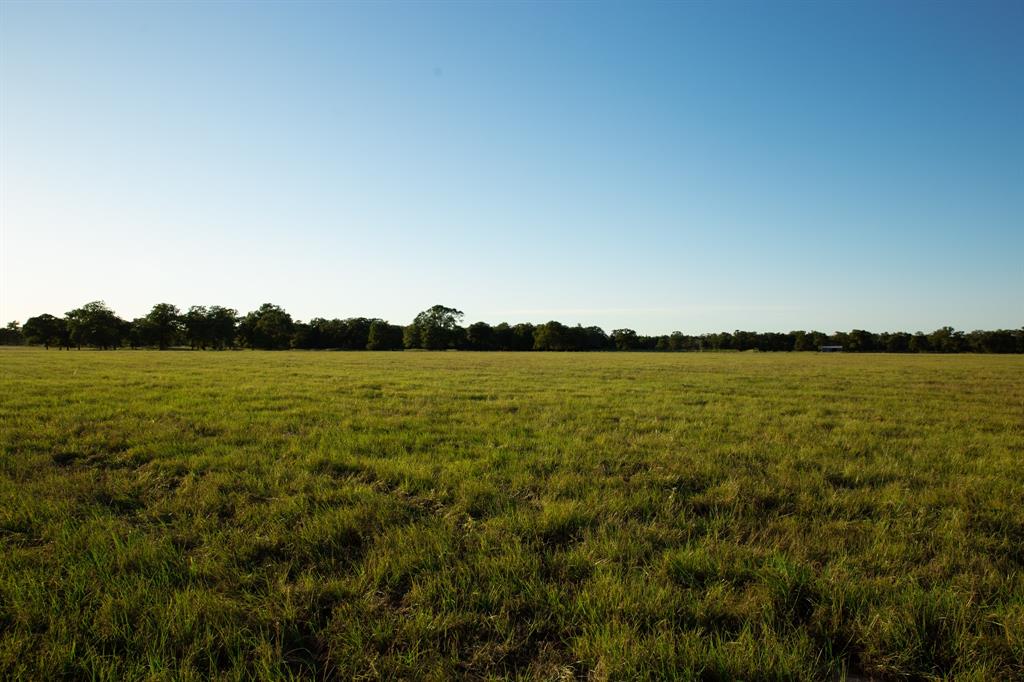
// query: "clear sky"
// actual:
[[693, 167]]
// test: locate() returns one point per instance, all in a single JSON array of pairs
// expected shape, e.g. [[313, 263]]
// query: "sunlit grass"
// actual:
[[189, 515]]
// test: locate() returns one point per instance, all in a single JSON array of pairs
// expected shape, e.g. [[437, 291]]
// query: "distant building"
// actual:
[[830, 349]]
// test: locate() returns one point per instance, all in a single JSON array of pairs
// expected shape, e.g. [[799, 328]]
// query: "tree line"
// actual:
[[270, 327]]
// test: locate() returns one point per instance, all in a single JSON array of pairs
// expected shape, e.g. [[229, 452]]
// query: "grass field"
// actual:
[[190, 515]]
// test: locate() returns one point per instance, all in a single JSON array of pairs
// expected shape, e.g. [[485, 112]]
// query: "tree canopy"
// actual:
[[436, 328], [269, 328], [46, 330], [439, 327], [94, 324]]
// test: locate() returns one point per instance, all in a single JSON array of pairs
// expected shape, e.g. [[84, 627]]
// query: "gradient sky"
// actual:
[[694, 167]]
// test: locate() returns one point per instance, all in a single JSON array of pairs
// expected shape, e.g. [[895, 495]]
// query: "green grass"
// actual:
[[234, 515]]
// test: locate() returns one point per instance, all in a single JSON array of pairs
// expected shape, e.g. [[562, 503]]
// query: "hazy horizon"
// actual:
[[689, 167]]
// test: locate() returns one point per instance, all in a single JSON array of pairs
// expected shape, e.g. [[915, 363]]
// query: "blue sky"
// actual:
[[694, 167]]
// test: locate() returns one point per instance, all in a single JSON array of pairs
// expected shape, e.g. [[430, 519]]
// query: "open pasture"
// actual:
[[195, 515]]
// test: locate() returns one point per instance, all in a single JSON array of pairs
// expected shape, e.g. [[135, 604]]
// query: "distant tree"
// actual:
[[624, 339], [839, 339], [516, 338], [350, 334], [996, 341], [588, 338], [138, 333], [717, 341], [164, 325], [555, 336], [223, 323], [12, 335], [502, 336], [818, 339], [802, 341], [46, 330], [94, 324], [124, 330], [315, 334], [678, 341], [333, 333], [268, 328], [947, 340], [357, 333], [744, 340], [196, 324], [861, 341], [438, 327], [480, 336], [302, 336], [384, 336], [919, 343], [773, 342], [522, 336], [459, 339], [897, 342], [433, 337], [411, 336]]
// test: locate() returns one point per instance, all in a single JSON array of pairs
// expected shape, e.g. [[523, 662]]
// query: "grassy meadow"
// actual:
[[239, 515]]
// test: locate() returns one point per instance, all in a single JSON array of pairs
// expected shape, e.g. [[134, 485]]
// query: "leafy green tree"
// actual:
[[138, 333], [897, 342], [552, 335], [438, 327], [624, 339], [839, 339], [947, 340], [94, 324], [223, 326], [719, 341], [312, 335], [268, 328], [411, 336], [196, 325], [12, 335], [433, 337], [861, 341], [164, 325], [744, 340], [678, 341], [504, 337], [357, 333], [480, 336], [996, 341], [124, 330], [302, 336], [919, 343], [522, 336], [46, 330], [590, 338], [324, 333], [384, 336]]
